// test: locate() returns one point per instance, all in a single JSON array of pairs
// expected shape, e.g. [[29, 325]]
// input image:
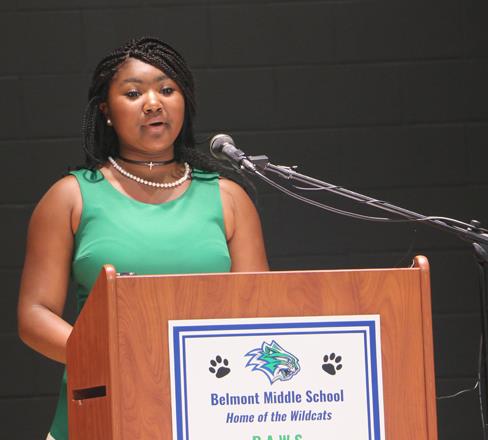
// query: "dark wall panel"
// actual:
[[431, 95], [474, 13], [51, 106], [338, 95], [460, 415], [27, 418], [382, 30], [235, 99], [166, 23], [385, 98], [11, 107], [15, 220], [8, 300], [29, 154], [35, 50], [76, 4], [31, 375], [264, 34], [477, 153]]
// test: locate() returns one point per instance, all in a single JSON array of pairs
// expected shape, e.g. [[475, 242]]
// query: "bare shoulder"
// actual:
[[229, 186], [233, 191], [65, 188], [62, 200]]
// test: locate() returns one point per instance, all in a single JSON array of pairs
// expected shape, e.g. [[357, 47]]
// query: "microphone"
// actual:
[[222, 147]]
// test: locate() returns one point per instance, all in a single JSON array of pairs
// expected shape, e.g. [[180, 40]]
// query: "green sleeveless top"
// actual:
[[185, 235]]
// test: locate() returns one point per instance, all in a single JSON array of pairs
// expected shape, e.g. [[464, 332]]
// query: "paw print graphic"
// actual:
[[219, 367], [332, 364]]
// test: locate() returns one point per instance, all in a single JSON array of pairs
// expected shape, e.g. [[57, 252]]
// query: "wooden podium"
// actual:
[[117, 354]]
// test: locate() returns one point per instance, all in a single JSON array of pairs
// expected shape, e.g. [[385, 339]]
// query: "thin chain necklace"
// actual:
[[168, 185]]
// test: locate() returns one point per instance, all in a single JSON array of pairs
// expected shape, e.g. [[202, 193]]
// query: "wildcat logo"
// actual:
[[274, 361]]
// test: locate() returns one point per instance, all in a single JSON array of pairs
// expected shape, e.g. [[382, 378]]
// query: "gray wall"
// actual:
[[388, 98]]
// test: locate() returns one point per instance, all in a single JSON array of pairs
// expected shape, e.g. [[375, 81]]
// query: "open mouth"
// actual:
[[156, 124]]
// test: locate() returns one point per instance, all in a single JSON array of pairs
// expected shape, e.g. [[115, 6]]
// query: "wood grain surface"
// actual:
[[138, 354]]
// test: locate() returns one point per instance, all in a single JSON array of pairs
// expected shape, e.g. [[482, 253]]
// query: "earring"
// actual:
[[109, 122]]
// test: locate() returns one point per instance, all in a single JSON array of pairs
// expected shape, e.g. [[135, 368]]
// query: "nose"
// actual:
[[152, 104]]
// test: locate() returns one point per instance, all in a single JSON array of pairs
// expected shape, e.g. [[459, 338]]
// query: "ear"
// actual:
[[104, 109]]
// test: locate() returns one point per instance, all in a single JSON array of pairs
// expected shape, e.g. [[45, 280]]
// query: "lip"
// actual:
[[151, 122], [155, 125]]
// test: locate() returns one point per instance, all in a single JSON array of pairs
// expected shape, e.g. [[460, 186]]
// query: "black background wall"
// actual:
[[388, 98]]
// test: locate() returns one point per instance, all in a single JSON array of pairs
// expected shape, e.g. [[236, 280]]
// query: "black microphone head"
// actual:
[[218, 142]]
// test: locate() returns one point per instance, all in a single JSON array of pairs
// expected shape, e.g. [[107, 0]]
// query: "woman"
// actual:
[[146, 201]]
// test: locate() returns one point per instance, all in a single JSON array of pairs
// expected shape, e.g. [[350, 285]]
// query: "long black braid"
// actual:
[[100, 140]]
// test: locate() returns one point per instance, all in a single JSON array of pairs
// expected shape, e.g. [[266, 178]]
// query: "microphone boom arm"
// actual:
[[471, 233]]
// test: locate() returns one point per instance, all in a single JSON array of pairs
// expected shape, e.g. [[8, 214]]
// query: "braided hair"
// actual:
[[100, 141]]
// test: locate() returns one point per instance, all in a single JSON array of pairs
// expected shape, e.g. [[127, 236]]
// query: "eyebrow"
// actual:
[[140, 81]]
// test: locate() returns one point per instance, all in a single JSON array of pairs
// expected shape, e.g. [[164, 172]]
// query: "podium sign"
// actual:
[[277, 378]]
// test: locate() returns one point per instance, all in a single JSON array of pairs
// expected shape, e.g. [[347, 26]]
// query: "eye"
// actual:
[[167, 91], [132, 94]]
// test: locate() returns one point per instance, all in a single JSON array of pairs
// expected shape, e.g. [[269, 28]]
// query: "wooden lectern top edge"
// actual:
[[422, 263], [110, 272], [419, 262]]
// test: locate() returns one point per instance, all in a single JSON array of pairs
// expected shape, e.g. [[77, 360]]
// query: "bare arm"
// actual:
[[46, 271], [243, 229]]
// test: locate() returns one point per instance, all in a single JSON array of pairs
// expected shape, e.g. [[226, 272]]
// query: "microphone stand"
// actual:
[[471, 233]]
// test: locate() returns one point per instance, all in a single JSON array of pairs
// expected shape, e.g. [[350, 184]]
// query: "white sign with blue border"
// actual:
[[306, 378]]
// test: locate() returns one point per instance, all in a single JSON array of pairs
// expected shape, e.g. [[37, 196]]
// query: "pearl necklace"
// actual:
[[178, 182]]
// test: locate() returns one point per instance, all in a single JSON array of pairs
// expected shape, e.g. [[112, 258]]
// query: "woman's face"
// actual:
[[146, 109]]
